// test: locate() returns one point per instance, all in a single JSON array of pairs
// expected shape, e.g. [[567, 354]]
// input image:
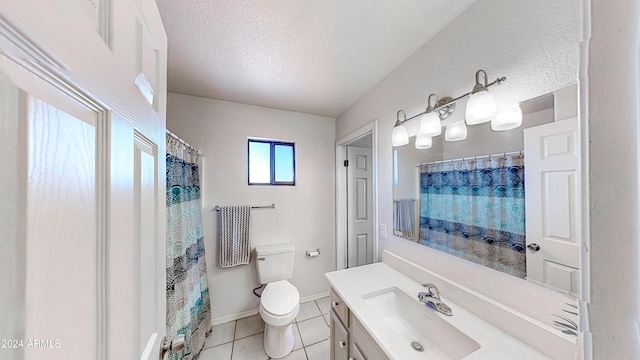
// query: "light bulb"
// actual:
[[423, 142], [456, 131], [507, 118], [480, 108], [399, 136], [430, 125]]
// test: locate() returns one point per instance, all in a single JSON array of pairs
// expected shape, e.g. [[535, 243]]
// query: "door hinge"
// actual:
[[346, 163]]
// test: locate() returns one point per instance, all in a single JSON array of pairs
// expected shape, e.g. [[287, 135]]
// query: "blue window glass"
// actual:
[[259, 163], [271, 162], [284, 163]]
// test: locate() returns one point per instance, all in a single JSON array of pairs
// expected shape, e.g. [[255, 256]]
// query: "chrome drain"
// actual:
[[416, 346]]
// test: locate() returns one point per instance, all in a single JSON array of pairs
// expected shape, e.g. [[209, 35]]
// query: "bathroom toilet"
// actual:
[[280, 300]]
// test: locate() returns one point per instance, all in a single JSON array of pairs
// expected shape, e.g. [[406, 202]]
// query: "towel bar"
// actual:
[[272, 206]]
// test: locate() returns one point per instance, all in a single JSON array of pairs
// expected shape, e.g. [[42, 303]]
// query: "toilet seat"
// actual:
[[279, 303], [280, 298]]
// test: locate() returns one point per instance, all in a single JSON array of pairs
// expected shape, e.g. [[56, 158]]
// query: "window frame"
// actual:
[[272, 161]]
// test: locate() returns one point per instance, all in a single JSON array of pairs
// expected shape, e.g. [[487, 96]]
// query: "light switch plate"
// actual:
[[383, 231]]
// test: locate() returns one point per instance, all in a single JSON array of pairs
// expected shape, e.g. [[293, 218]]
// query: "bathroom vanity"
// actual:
[[375, 314], [349, 339]]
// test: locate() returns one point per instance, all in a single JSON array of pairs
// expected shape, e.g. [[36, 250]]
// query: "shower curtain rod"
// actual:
[[182, 141], [272, 206], [472, 158]]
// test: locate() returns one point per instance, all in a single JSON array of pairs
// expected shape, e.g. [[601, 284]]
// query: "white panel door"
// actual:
[[147, 283], [552, 205], [63, 239], [88, 258], [82, 217], [360, 208]]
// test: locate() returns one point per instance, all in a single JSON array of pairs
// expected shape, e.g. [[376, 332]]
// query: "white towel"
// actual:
[[234, 235], [405, 217]]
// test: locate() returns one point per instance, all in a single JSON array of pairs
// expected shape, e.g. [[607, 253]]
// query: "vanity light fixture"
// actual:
[[456, 131], [480, 108], [507, 118], [400, 136], [430, 123], [423, 142]]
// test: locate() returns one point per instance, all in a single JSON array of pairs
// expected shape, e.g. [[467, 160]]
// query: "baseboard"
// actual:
[[314, 297], [236, 316], [244, 314]]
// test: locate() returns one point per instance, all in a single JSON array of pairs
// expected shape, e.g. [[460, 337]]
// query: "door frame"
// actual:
[[341, 191]]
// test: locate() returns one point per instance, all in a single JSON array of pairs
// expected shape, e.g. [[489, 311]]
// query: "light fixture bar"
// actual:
[[446, 101]]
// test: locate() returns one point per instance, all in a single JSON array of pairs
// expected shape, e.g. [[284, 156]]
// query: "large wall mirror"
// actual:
[[506, 200]]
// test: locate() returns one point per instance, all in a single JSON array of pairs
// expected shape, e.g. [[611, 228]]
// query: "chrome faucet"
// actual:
[[431, 298]]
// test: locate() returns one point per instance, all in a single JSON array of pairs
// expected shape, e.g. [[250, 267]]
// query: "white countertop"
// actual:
[[351, 284]]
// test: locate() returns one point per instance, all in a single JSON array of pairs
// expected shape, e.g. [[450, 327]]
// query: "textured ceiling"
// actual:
[[311, 56]]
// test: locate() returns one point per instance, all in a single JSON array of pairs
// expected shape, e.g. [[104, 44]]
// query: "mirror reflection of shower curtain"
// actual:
[[188, 304], [475, 209]]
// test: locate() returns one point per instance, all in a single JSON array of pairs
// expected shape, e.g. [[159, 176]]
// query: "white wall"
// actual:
[[304, 214], [534, 44], [610, 96]]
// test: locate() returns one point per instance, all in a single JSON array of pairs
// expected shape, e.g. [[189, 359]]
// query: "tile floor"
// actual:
[[243, 339]]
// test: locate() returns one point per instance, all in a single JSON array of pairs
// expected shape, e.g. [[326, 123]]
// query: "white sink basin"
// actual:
[[408, 321]]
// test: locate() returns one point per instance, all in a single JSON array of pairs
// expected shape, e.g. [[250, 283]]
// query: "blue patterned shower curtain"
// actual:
[[188, 306], [475, 209]]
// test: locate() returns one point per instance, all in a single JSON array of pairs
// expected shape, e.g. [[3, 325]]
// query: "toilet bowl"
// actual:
[[279, 306], [280, 300]]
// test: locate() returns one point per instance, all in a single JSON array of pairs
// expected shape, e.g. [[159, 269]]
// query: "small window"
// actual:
[[271, 162]]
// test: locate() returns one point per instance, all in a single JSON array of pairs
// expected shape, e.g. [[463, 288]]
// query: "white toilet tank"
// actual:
[[274, 262]]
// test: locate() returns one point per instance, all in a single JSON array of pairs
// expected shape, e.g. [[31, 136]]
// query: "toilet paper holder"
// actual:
[[313, 253]]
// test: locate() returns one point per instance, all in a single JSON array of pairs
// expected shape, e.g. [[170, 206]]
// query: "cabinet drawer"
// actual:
[[362, 343], [340, 308], [356, 354], [339, 339]]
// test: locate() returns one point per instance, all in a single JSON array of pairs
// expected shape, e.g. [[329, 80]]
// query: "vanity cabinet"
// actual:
[[363, 347], [349, 339], [355, 350], [339, 307], [339, 339]]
